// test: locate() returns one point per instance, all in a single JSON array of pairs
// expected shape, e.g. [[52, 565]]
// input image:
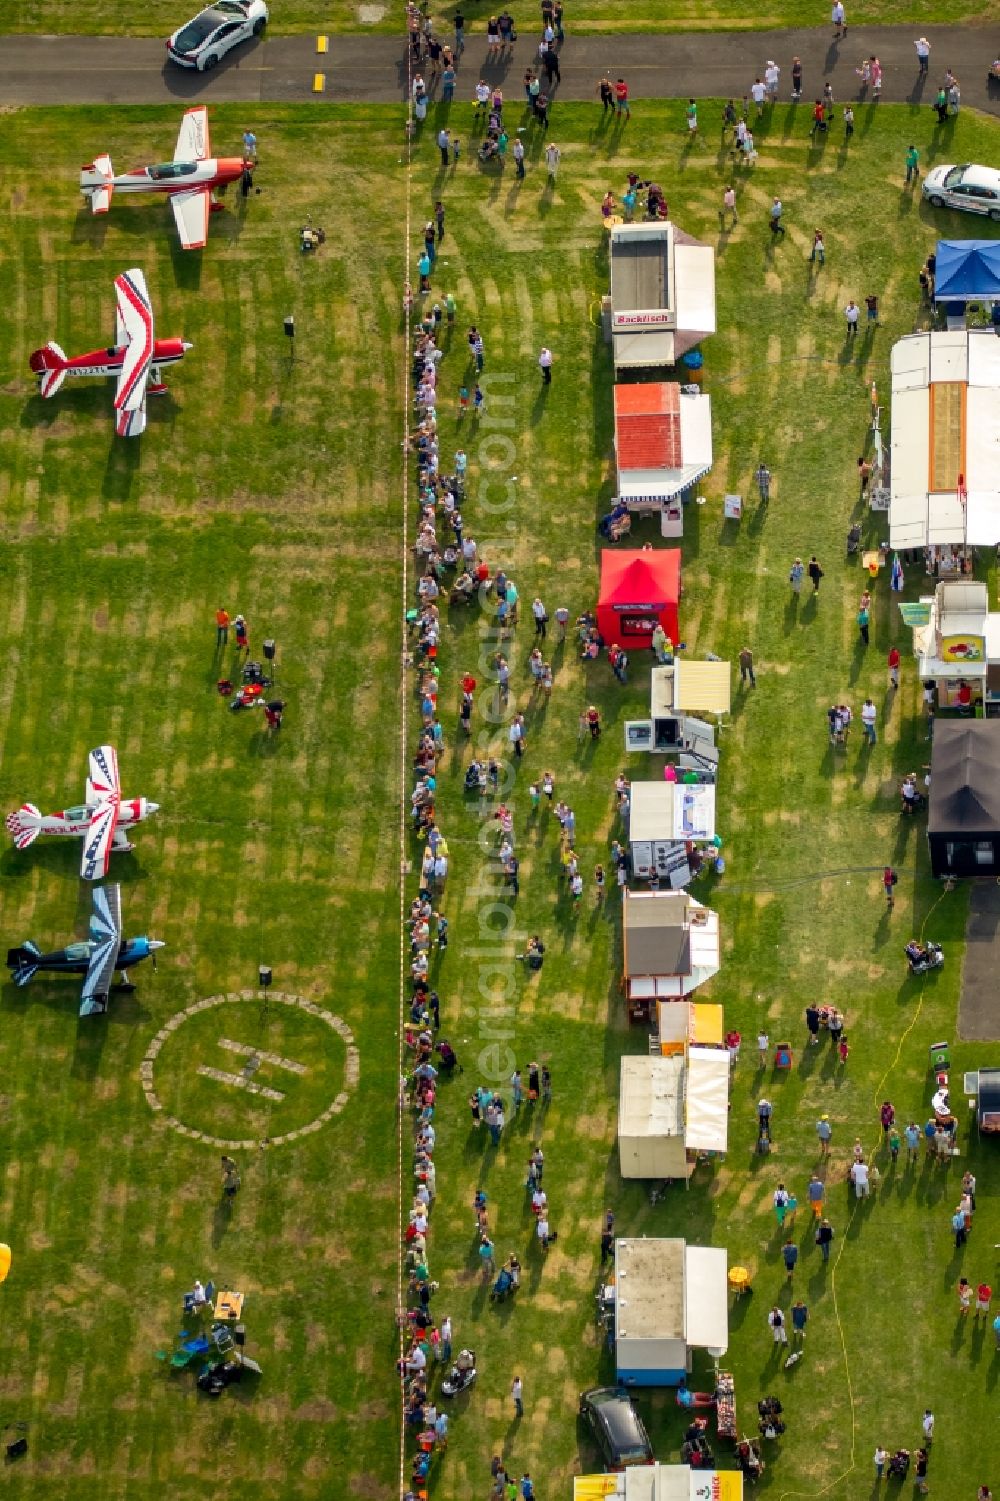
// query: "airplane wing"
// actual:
[[192, 142], [191, 213], [135, 319], [97, 840], [106, 932], [103, 780], [103, 799]]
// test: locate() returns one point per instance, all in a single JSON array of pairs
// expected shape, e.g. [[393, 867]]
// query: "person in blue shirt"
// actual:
[[800, 1315]]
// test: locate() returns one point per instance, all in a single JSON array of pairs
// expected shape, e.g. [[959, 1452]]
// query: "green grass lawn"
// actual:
[[161, 17], [278, 490]]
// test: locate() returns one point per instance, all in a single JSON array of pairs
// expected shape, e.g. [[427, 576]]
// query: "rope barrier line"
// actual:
[[403, 734], [880, 1087]]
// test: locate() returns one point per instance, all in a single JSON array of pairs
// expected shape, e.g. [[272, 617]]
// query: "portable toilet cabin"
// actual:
[[670, 1299]]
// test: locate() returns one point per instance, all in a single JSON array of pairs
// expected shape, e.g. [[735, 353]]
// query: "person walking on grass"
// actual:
[[893, 664], [621, 99], [818, 252], [790, 1255], [517, 151], [747, 673], [221, 628], [777, 228], [517, 1395], [776, 1322], [912, 165], [796, 574], [848, 123], [864, 621], [824, 1238], [552, 158], [815, 573], [545, 366], [824, 1131], [889, 880], [691, 114], [728, 208], [869, 714], [800, 1317], [814, 1193]]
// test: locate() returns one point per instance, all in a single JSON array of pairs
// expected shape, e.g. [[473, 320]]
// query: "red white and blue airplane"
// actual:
[[189, 180], [134, 360], [100, 821]]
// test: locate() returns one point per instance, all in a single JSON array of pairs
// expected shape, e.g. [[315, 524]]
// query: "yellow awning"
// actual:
[[706, 1024], [703, 687], [596, 1487]]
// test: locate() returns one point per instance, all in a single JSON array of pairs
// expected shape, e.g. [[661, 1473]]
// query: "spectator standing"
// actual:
[[912, 165], [815, 573], [824, 1131], [851, 314], [893, 661], [553, 157], [824, 1238], [517, 1395], [776, 1322], [621, 99], [923, 51], [545, 366], [889, 880], [869, 713], [839, 18], [777, 228], [800, 1317], [746, 667]]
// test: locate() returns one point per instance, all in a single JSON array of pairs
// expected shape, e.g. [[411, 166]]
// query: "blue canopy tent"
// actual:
[[967, 271]]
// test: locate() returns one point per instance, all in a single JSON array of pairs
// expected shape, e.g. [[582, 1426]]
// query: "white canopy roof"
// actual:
[[706, 1298], [706, 1105], [945, 423]]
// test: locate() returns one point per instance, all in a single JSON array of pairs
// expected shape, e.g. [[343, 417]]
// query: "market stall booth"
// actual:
[[663, 445], [670, 1299], [660, 1482], [983, 1089], [670, 825], [662, 300], [673, 1109], [678, 694], [967, 271], [684, 1024], [640, 589], [671, 945], [956, 639], [963, 819], [944, 482]]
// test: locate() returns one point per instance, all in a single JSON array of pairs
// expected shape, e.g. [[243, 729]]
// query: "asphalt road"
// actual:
[[359, 69]]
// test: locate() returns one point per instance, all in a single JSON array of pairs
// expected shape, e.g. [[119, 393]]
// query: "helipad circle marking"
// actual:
[[352, 1066]]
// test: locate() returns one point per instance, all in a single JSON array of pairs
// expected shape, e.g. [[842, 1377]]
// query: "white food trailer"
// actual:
[[665, 817], [672, 1108], [670, 1298], [678, 694]]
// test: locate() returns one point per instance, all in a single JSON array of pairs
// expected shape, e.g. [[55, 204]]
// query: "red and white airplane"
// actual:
[[134, 360], [189, 180], [100, 821]]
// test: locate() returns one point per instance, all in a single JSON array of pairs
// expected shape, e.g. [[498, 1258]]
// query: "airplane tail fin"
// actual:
[[97, 183], [50, 365], [22, 962], [23, 825]]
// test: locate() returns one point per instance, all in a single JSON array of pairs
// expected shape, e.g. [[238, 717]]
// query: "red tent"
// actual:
[[637, 590]]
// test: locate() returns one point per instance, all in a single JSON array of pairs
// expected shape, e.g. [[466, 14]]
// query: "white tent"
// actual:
[[944, 478], [670, 1299]]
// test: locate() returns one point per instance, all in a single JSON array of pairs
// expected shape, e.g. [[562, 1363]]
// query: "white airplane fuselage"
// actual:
[[167, 177]]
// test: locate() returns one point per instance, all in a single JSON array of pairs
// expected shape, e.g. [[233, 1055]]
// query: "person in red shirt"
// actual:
[[621, 98], [221, 627], [819, 118], [468, 684], [893, 667], [964, 697], [984, 1296]]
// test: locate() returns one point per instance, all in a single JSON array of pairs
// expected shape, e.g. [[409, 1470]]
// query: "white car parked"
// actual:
[[974, 189], [203, 41]]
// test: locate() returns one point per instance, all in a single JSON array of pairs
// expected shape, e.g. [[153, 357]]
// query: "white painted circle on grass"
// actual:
[[352, 1067]]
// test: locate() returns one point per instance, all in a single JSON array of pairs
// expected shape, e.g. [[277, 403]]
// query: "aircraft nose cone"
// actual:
[[156, 943], [152, 808], [186, 346]]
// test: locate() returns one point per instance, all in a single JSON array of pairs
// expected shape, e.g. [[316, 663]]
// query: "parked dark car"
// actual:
[[618, 1430]]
